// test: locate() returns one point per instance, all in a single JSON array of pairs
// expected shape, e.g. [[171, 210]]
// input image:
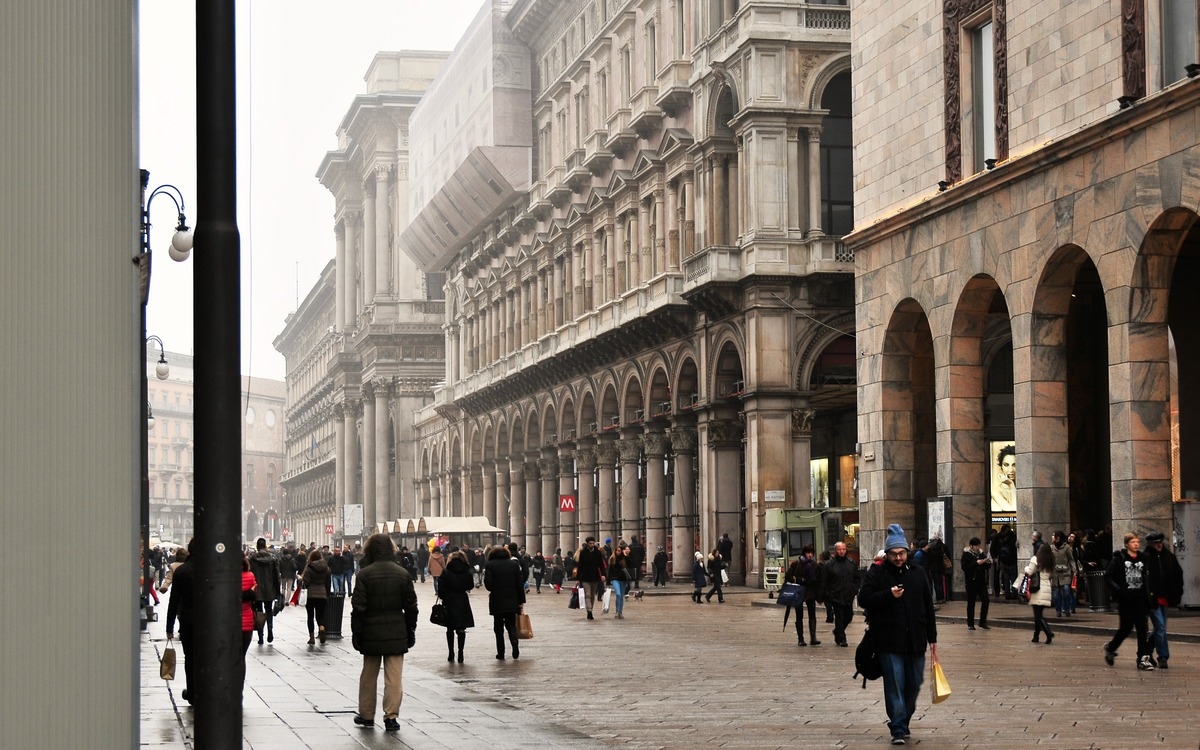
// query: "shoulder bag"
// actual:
[[438, 615]]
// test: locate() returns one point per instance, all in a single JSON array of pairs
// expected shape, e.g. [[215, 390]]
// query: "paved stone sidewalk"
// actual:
[[674, 674]]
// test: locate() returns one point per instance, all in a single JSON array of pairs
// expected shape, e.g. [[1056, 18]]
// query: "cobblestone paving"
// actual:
[[674, 674]]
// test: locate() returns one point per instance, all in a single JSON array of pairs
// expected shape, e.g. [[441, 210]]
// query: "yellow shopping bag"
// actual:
[[941, 686]]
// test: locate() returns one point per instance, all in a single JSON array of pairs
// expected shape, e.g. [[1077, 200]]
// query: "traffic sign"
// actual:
[[566, 503]]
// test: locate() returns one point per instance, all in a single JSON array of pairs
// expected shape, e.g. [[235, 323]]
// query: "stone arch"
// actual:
[[568, 420], [905, 452], [610, 410], [633, 400], [1063, 452], [723, 104], [726, 373], [659, 403], [687, 381], [820, 79]]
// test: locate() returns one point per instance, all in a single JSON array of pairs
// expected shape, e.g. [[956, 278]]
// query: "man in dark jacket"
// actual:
[[1165, 583], [383, 626], [899, 608], [265, 567], [637, 558], [181, 606], [1127, 581], [590, 567], [337, 570], [838, 585]]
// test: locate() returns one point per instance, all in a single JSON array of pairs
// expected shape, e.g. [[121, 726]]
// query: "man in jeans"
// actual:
[[1166, 590], [899, 609], [591, 567]]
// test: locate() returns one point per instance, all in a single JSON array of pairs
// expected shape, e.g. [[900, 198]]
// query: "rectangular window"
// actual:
[[651, 54], [983, 94], [1178, 39]]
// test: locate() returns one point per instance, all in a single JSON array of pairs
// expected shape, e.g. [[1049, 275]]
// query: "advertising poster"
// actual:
[[1003, 473]]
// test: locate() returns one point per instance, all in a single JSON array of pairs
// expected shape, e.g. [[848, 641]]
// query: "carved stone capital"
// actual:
[[384, 171], [630, 450], [548, 467], [585, 460], [655, 444], [531, 471], [725, 433], [683, 440], [476, 483], [802, 422], [368, 391], [606, 454]]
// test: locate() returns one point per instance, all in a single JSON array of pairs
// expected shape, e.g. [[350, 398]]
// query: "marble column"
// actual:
[[658, 241], [383, 276], [368, 455], [631, 451], [674, 219], [350, 433], [516, 505], [474, 475], [568, 535], [814, 182], [689, 214], [609, 263], [368, 247], [339, 236], [350, 292], [533, 501], [795, 181], [633, 250], [606, 461], [585, 503], [488, 469], [502, 495], [655, 446], [683, 519], [735, 206], [548, 468], [339, 459], [621, 248], [719, 202]]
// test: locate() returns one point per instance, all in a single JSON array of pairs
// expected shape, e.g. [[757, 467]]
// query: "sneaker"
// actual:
[[1110, 657], [1145, 665], [391, 725], [1162, 663], [897, 739], [363, 722]]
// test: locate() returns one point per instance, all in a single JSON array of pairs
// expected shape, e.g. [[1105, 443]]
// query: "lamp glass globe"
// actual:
[[161, 370]]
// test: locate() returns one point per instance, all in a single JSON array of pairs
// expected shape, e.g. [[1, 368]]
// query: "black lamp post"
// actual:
[[181, 246]]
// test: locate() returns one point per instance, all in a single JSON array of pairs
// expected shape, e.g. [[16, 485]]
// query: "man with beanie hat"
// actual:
[[899, 607], [1165, 584]]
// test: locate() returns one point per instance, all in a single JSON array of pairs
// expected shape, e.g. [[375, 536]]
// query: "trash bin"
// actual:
[[1097, 591], [334, 606]]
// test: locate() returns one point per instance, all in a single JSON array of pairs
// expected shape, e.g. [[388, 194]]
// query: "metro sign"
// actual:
[[328, 528], [566, 503]]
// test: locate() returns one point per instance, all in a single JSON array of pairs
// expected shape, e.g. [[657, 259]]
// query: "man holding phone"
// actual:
[[899, 606]]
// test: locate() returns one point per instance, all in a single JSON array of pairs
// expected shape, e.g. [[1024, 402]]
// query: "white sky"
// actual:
[[300, 64]]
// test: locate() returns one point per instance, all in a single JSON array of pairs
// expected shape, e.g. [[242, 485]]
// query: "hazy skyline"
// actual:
[[300, 65]]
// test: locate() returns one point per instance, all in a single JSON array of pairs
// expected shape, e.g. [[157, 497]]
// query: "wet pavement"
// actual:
[[674, 674]]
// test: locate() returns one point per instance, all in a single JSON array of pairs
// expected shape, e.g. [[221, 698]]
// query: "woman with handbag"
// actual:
[[699, 577], [1040, 570], [457, 579], [803, 572], [538, 566], [315, 580], [715, 567], [619, 574], [506, 596]]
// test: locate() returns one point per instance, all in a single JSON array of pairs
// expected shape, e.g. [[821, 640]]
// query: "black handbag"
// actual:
[[791, 595], [438, 614]]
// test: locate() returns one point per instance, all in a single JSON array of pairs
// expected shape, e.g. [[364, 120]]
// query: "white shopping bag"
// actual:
[[606, 599]]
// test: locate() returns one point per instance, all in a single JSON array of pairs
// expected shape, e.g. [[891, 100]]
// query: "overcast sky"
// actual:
[[300, 63]]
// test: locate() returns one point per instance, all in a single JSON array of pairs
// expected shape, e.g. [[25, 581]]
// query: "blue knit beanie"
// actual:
[[895, 538]]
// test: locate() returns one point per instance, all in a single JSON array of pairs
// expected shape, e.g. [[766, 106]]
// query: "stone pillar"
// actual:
[[489, 491], [368, 455], [350, 292], [645, 241], [719, 202], [585, 503], [609, 263], [548, 468], [339, 459], [674, 219], [795, 179], [683, 517], [339, 312], [631, 452], [568, 534], [814, 182], [435, 495], [633, 249], [606, 461], [621, 248], [502, 495], [735, 192], [689, 213], [368, 250], [383, 275], [721, 507], [474, 478], [533, 501], [655, 446], [516, 505], [658, 241], [350, 435], [802, 418]]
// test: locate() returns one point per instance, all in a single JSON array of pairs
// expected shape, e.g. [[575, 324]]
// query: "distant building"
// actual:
[[172, 458], [366, 347]]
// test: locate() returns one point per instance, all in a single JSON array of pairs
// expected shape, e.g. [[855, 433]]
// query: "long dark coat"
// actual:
[[383, 608], [502, 577], [903, 625], [453, 586]]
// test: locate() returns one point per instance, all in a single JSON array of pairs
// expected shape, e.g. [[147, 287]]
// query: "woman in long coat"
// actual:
[[316, 581], [456, 580], [1041, 563], [502, 578]]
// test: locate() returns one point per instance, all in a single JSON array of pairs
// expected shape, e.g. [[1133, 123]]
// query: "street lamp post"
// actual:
[[181, 246]]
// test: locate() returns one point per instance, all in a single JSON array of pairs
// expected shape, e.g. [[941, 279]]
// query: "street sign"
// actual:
[[566, 503], [328, 528]]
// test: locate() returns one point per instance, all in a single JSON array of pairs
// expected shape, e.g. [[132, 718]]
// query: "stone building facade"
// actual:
[[366, 347], [1027, 188], [649, 324]]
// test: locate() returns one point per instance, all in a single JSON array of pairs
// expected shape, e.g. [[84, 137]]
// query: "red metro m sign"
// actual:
[[566, 503]]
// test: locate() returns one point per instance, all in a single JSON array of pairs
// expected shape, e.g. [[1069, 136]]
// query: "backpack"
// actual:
[[866, 662]]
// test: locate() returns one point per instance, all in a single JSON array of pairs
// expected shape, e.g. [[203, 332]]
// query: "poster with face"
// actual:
[[1004, 477]]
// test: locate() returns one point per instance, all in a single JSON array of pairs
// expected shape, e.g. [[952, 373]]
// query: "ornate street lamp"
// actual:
[[181, 247]]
